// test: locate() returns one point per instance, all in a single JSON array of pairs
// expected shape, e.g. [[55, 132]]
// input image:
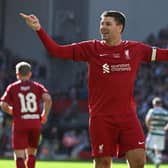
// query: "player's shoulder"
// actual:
[[85, 42], [131, 43], [38, 84], [138, 45], [165, 110], [89, 44], [13, 84], [101, 42], [150, 111]]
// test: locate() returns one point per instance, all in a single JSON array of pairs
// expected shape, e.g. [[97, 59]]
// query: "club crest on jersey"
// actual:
[[101, 148], [127, 56]]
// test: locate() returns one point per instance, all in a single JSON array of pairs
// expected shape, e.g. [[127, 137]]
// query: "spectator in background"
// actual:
[[157, 124], [22, 100]]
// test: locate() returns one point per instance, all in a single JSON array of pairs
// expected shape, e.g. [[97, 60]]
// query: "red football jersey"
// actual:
[[25, 98], [112, 71]]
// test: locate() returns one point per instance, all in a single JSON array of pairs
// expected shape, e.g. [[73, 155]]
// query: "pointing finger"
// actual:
[[23, 15]]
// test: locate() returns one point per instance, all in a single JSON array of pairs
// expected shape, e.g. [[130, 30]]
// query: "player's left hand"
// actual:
[[43, 119]]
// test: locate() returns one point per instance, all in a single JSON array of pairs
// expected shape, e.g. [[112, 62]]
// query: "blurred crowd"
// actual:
[[66, 133]]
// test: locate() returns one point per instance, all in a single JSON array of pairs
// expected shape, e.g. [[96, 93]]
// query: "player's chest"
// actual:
[[110, 61], [115, 56]]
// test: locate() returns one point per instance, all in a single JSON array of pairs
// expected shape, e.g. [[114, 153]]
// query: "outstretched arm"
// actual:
[[74, 51], [53, 48], [162, 54]]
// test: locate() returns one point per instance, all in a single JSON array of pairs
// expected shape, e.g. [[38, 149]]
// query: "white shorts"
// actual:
[[156, 142]]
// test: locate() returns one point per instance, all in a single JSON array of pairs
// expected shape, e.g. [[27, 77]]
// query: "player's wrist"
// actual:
[[37, 28]]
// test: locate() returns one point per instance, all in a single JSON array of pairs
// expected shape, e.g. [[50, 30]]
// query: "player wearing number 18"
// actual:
[[22, 99]]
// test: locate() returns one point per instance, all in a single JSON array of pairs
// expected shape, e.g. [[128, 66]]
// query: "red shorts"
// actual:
[[115, 139], [25, 136]]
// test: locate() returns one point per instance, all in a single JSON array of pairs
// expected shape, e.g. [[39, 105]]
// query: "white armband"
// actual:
[[153, 57]]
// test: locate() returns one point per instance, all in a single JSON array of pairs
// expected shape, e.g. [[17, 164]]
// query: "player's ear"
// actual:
[[30, 74], [17, 75], [120, 28]]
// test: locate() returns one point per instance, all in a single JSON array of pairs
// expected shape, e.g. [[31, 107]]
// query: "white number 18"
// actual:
[[28, 102]]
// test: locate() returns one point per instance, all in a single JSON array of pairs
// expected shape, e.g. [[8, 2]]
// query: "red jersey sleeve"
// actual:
[[145, 51], [76, 51], [153, 53], [42, 88], [161, 54]]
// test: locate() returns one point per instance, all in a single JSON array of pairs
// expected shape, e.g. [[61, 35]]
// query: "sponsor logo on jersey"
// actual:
[[106, 68], [30, 116], [115, 68]]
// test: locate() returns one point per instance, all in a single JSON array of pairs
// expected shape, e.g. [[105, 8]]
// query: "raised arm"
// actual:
[[76, 51], [53, 47]]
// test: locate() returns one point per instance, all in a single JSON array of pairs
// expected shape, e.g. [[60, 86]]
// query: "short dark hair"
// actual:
[[117, 15], [23, 68]]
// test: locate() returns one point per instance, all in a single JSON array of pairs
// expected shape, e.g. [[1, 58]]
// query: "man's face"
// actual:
[[109, 29]]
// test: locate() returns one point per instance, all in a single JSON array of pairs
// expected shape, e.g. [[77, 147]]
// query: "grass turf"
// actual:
[[68, 164]]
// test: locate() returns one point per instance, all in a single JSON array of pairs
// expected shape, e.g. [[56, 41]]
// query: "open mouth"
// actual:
[[105, 34]]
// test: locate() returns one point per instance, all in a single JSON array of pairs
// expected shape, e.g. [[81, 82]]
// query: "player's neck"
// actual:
[[24, 78], [114, 42]]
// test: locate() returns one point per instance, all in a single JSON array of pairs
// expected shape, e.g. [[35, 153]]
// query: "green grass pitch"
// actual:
[[68, 164]]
